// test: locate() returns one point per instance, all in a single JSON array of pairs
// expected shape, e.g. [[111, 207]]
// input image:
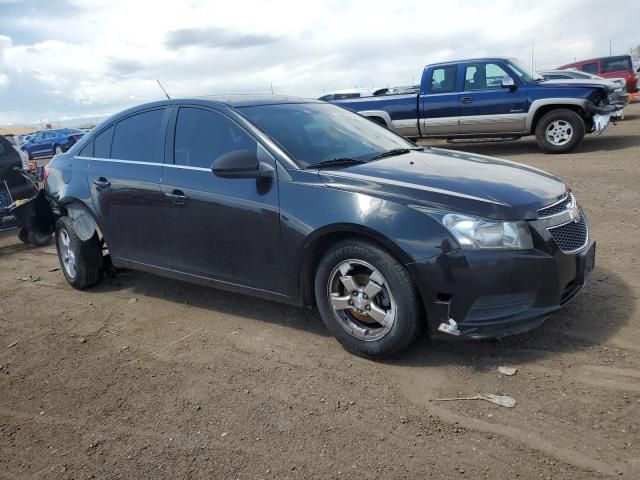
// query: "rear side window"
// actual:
[[590, 67], [204, 135], [140, 137], [616, 64], [443, 79], [87, 150], [102, 144]]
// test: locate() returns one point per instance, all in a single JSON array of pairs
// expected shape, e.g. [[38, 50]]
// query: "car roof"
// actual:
[[596, 59]]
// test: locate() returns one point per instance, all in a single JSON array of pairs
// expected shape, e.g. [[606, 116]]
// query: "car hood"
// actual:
[[453, 181], [575, 82]]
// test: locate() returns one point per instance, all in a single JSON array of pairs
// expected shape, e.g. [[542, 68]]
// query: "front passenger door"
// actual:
[[225, 229]]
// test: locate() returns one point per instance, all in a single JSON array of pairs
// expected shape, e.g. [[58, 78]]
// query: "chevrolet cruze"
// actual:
[[304, 202]]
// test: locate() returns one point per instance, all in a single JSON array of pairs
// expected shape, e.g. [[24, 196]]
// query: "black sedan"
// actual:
[[307, 203]]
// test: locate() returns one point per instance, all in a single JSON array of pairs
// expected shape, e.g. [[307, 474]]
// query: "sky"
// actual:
[[78, 60]]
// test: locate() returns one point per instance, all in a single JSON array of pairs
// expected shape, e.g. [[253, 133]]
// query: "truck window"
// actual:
[[590, 67], [443, 79], [614, 64], [483, 76]]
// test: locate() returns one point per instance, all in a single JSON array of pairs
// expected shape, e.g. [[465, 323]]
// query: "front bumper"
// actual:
[[499, 293]]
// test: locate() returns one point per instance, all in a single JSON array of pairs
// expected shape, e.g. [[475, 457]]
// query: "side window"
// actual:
[[102, 144], [140, 137], [38, 137], [87, 150], [204, 135], [443, 79], [590, 67], [483, 76], [326, 98], [616, 64]]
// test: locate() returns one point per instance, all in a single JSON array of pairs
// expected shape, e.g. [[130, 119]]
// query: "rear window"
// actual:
[[614, 64], [590, 67], [140, 137], [443, 79]]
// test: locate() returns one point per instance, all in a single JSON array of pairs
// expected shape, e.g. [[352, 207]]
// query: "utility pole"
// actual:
[[271, 88], [532, 69], [610, 47]]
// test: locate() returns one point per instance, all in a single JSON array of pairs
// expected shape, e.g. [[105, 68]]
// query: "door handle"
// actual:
[[467, 100], [178, 197], [102, 183]]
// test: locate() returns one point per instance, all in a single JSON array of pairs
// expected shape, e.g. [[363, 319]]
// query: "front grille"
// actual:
[[571, 236], [557, 207]]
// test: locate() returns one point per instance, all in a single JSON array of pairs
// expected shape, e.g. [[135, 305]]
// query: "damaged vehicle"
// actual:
[[494, 98], [304, 202]]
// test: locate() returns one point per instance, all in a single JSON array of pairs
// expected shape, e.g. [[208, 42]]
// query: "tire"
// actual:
[[39, 239], [80, 261], [354, 326], [57, 150], [560, 131], [23, 235]]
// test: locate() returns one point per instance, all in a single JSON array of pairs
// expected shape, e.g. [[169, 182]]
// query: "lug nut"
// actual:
[[350, 302], [368, 307]]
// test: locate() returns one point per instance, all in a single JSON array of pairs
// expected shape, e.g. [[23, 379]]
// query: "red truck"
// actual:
[[609, 67]]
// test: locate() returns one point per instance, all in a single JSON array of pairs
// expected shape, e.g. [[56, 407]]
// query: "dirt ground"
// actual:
[[145, 377]]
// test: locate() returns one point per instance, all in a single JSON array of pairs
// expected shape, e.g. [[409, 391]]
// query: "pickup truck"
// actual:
[[494, 98]]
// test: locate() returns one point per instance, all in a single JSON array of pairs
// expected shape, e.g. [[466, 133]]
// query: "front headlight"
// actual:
[[483, 233], [472, 232]]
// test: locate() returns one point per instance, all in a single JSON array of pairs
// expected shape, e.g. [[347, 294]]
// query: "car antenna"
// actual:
[[165, 92]]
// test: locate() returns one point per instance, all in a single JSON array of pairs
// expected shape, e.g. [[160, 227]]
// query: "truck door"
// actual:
[[439, 107], [486, 107]]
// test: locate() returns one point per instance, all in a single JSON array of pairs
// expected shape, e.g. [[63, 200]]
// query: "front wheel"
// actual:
[[81, 261], [560, 131], [367, 300]]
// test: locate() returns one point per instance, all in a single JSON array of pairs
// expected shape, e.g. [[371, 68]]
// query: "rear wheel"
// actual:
[[367, 300], [81, 261], [560, 131]]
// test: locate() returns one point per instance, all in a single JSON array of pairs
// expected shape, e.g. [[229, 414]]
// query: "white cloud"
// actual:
[[97, 56]]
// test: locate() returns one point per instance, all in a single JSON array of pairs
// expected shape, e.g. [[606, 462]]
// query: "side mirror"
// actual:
[[507, 82], [240, 164]]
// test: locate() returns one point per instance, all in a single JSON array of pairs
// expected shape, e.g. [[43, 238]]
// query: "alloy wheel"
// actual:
[[67, 256], [361, 299], [559, 132]]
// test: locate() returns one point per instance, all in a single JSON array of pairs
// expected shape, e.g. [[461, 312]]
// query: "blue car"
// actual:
[[47, 143]]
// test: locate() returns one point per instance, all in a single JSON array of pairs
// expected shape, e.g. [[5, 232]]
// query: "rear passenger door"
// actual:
[[225, 229], [124, 177], [488, 107], [439, 109]]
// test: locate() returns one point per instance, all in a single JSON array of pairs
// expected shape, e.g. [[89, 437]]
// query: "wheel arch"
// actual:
[[378, 116], [321, 241], [82, 217], [539, 108]]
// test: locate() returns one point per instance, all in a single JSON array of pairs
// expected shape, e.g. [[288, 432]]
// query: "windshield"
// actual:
[[313, 133], [524, 72]]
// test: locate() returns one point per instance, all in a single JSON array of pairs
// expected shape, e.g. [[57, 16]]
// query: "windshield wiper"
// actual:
[[336, 162], [396, 151]]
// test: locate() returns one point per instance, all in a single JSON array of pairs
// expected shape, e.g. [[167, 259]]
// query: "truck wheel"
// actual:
[[81, 261], [560, 131], [367, 300]]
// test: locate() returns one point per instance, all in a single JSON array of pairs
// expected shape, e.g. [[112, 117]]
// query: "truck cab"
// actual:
[[494, 98]]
